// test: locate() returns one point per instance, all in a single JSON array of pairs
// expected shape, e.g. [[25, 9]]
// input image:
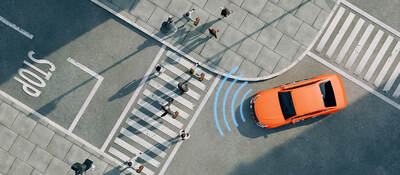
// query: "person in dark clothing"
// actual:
[[213, 32], [225, 12], [167, 110], [183, 87]]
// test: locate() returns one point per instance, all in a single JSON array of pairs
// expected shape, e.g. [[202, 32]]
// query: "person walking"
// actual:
[[167, 110], [159, 69], [183, 87], [189, 14], [225, 12], [184, 135], [133, 160], [193, 72], [213, 32]]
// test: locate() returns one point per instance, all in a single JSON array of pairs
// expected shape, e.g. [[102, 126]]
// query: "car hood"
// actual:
[[267, 107]]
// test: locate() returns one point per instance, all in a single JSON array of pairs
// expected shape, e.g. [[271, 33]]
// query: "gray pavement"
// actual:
[[263, 38]]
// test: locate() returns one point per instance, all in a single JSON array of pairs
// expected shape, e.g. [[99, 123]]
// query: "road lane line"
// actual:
[[186, 63], [175, 83], [143, 142], [135, 151], [154, 123], [359, 46], [158, 112], [330, 29], [15, 27], [340, 35], [154, 97], [189, 126], [171, 94], [369, 52], [185, 76], [349, 40], [133, 98], [392, 78], [387, 65], [148, 132], [124, 157], [358, 82], [378, 58], [91, 94]]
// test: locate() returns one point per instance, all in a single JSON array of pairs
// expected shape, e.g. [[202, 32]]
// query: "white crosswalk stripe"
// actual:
[[145, 131], [369, 52], [340, 35], [330, 29], [378, 58], [349, 41], [387, 65], [359, 46]]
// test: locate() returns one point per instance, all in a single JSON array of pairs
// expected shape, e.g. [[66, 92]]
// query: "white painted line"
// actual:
[[175, 83], [15, 27], [91, 94], [132, 99], [387, 65], [378, 58], [373, 19], [143, 142], [340, 35], [148, 132], [330, 29], [358, 82], [154, 123], [392, 78], [154, 97], [195, 116], [171, 94], [359, 46], [349, 40], [186, 63], [185, 76], [125, 158], [135, 151], [158, 112], [396, 93], [369, 52]]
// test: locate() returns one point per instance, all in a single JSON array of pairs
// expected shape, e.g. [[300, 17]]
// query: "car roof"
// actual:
[[307, 99]]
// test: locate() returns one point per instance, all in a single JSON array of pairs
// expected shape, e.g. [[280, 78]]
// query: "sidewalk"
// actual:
[[30, 146], [264, 38]]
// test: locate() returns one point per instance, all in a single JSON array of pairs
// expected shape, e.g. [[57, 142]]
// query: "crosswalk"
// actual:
[[145, 132], [358, 45]]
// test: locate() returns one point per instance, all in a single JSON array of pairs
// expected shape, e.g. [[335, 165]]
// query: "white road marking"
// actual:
[[91, 94], [340, 35], [396, 93], [378, 58], [185, 76], [154, 97], [132, 99], [143, 142], [135, 151], [175, 83], [148, 132], [359, 46], [124, 157], [369, 52], [351, 78], [189, 126], [387, 65], [349, 41], [330, 29], [186, 63], [154, 123], [392, 78], [171, 94], [15, 27], [158, 112]]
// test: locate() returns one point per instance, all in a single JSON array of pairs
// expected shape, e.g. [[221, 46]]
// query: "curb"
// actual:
[[123, 15]]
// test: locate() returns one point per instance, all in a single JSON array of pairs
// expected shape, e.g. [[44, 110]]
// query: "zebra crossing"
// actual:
[[145, 132], [363, 47]]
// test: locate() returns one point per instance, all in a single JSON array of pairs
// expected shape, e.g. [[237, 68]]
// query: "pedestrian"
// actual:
[[196, 22], [132, 160], [167, 110], [170, 20], [159, 69], [193, 72], [189, 13], [213, 32], [184, 135], [183, 87], [225, 12]]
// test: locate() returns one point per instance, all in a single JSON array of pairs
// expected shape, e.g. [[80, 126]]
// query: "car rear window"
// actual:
[[327, 94], [286, 102]]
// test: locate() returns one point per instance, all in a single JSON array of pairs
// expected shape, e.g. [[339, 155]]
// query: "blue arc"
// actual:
[[241, 104], [216, 99], [233, 102], [224, 103]]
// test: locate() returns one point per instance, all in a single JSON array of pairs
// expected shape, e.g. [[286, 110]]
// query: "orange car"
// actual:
[[298, 101]]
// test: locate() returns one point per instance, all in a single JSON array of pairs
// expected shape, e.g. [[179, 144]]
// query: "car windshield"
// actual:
[[286, 102], [327, 94]]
